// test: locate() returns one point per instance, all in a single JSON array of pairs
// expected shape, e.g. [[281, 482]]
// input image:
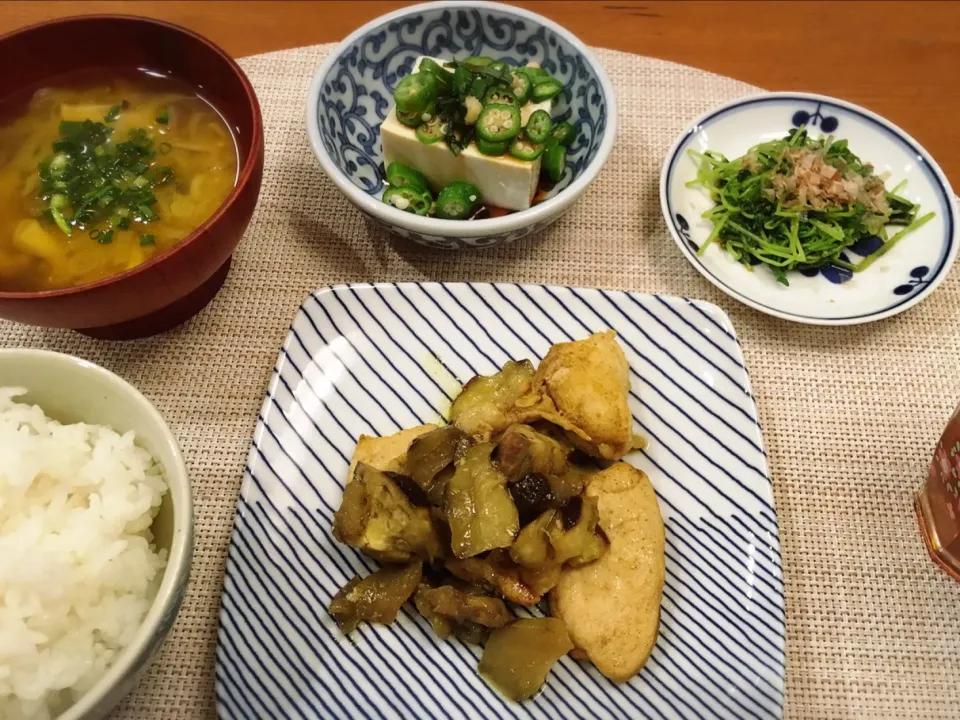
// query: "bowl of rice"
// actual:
[[96, 536]]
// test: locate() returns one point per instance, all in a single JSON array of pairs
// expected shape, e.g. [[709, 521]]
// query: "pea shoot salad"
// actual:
[[798, 203], [477, 100]]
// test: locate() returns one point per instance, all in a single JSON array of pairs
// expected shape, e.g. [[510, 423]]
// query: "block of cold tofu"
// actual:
[[388, 453], [503, 182]]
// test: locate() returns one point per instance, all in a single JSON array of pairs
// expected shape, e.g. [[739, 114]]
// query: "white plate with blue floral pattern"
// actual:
[[898, 280], [371, 359]]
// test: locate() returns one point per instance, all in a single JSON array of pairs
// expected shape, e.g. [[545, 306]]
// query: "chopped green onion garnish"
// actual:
[[164, 117], [58, 164], [93, 179], [61, 223], [148, 240], [115, 111]]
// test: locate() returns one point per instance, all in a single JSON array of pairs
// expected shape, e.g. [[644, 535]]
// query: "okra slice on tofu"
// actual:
[[522, 149], [555, 161], [521, 86], [498, 122], [444, 76], [431, 131], [415, 93], [410, 119], [409, 199], [485, 147], [400, 175], [545, 89], [499, 95], [539, 126], [457, 201], [564, 134]]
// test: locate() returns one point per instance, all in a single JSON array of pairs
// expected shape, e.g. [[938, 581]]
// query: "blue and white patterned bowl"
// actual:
[[895, 282], [352, 93]]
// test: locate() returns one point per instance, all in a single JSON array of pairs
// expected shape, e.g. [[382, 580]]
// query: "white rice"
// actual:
[[77, 567]]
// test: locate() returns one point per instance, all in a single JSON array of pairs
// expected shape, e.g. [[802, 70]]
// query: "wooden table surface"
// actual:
[[900, 59]]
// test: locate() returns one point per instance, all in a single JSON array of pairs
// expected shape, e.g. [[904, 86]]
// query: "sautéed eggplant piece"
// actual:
[[532, 548], [522, 450], [478, 507], [517, 657], [497, 503], [574, 534], [532, 494], [432, 453], [376, 598], [497, 573], [377, 517], [487, 404], [458, 606]]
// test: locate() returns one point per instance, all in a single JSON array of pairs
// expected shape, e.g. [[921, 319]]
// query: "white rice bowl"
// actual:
[[78, 570]]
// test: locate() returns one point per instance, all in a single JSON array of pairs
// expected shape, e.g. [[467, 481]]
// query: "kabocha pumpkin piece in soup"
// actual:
[[388, 452], [478, 507], [582, 386], [518, 657], [377, 517], [377, 597], [487, 404], [612, 606]]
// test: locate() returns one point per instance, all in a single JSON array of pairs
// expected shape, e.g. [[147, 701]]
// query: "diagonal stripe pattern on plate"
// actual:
[[365, 359]]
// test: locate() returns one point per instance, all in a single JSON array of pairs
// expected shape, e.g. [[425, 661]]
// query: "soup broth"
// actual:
[[103, 171]]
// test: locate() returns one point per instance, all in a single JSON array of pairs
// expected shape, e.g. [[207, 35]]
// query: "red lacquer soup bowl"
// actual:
[[174, 285]]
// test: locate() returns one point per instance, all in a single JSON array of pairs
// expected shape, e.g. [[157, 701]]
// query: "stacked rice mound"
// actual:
[[78, 570]]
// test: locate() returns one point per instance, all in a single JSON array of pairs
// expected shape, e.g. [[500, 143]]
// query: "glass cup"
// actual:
[[938, 502]]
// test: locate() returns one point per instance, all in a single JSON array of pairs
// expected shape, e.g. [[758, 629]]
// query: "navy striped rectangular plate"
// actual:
[[365, 359]]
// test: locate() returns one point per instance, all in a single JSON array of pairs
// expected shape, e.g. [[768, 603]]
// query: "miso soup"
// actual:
[[102, 171]]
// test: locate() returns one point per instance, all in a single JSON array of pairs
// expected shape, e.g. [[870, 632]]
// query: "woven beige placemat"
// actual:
[[850, 415]]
